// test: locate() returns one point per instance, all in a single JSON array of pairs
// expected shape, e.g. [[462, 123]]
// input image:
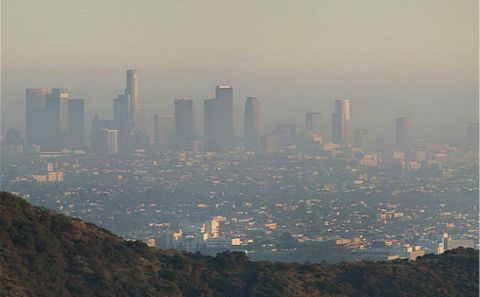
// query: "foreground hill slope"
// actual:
[[48, 254]]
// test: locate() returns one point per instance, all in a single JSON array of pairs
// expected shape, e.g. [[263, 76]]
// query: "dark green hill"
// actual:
[[47, 254]]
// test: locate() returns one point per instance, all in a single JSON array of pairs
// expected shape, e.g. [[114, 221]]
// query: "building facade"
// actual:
[[218, 119], [76, 118], [341, 122]]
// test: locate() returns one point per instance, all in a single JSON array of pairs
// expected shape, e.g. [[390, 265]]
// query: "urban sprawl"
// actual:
[[286, 195]]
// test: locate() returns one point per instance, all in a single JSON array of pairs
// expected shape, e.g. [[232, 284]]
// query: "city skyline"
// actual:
[[408, 58], [216, 147], [238, 112], [55, 121]]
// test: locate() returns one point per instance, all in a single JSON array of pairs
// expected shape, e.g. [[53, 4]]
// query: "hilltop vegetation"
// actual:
[[48, 254]]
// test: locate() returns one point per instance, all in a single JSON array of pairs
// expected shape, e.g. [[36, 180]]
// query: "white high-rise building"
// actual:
[[133, 91], [341, 122]]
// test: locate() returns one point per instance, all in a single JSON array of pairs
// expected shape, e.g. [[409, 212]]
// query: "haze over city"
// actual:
[[239, 148], [415, 59]]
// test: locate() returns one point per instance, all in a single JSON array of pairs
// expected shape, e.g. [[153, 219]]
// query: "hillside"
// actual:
[[48, 254]]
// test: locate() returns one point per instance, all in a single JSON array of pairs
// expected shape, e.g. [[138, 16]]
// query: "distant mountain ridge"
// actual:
[[48, 254]]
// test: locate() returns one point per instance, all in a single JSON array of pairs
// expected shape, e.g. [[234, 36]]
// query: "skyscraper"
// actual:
[[404, 135], [184, 124], [313, 122], [252, 123], [219, 119], [341, 122], [36, 119], [76, 118], [57, 119], [128, 117], [54, 121], [105, 142], [224, 118], [104, 137], [122, 121], [112, 141], [135, 109]]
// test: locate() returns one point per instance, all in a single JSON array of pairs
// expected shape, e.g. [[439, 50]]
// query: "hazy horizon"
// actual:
[[416, 59]]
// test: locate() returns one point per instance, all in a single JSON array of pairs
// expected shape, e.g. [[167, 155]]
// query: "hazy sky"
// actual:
[[397, 58]]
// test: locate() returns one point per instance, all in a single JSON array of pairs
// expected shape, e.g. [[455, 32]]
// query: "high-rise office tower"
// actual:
[[341, 122], [57, 117], [128, 116], [223, 125], [122, 121], [104, 137], [76, 118], [313, 122], [54, 121], [252, 123], [184, 134], [36, 119], [135, 108], [219, 119], [112, 141], [404, 135], [121, 114], [472, 135], [105, 142]]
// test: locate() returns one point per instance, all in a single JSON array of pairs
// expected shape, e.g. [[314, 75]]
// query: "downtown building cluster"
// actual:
[[55, 123], [54, 120], [345, 194]]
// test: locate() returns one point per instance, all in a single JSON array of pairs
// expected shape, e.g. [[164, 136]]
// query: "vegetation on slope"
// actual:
[[47, 254]]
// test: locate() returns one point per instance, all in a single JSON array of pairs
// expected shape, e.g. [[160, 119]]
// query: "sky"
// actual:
[[408, 58]]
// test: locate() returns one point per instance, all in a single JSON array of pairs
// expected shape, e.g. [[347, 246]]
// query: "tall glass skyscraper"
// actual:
[[128, 116], [132, 90], [57, 119]]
